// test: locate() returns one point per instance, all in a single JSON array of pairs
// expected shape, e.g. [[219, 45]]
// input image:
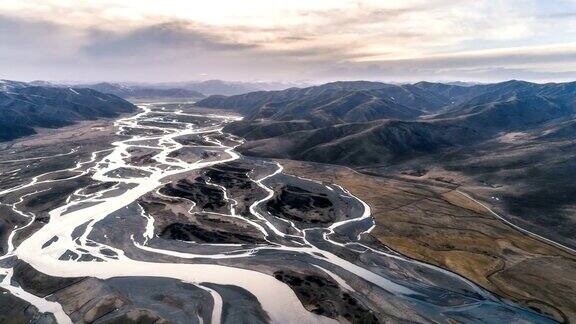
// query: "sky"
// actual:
[[288, 40]]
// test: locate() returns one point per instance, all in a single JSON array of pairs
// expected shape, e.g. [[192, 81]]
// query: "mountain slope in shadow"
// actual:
[[24, 107], [515, 137]]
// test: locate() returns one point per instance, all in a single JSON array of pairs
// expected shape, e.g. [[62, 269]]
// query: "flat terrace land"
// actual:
[[438, 225], [81, 131]]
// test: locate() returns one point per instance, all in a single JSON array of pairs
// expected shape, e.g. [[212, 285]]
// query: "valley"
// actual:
[[287, 162], [155, 217]]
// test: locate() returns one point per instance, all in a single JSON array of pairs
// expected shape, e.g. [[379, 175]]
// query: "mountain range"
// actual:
[[173, 91], [137, 92], [515, 136], [398, 118], [24, 107], [221, 87]]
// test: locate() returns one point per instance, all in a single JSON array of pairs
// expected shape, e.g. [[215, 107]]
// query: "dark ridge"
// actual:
[[24, 107]]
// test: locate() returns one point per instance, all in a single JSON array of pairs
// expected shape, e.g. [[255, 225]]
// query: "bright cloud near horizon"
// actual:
[[292, 40]]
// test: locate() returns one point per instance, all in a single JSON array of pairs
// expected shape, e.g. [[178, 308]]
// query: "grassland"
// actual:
[[436, 224]]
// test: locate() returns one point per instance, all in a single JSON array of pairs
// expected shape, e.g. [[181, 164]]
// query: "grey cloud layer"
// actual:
[[174, 36]]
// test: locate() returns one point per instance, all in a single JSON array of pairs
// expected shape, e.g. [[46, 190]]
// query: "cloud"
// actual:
[[23, 39], [158, 40], [176, 40], [542, 63]]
